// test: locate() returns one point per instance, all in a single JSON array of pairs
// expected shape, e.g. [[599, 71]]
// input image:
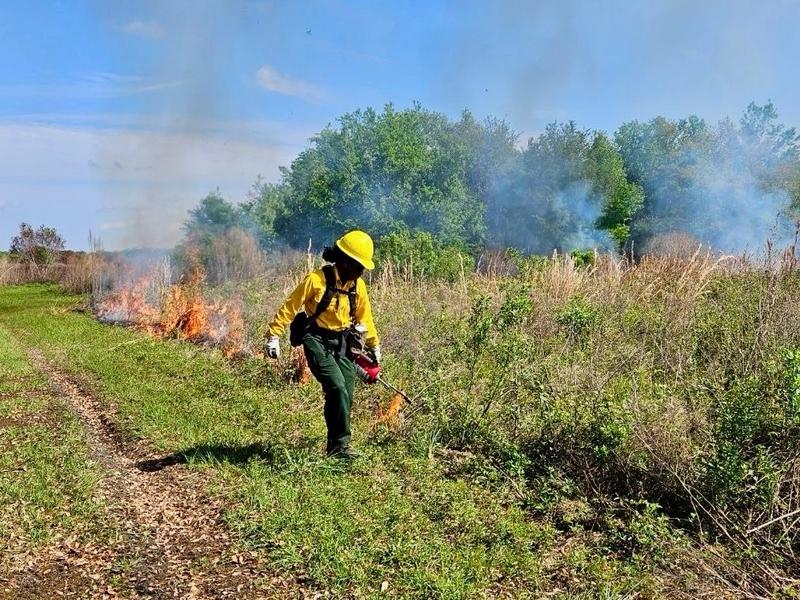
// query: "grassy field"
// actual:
[[47, 477], [603, 434], [392, 517]]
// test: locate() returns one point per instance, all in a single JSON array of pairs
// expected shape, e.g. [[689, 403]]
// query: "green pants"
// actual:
[[337, 374]]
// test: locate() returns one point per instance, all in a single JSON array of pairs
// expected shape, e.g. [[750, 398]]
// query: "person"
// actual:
[[328, 332]]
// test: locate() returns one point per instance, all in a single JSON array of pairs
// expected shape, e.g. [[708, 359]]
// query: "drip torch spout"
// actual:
[[394, 389]]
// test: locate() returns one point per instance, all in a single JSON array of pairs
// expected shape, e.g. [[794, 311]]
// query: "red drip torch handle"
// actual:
[[368, 371]]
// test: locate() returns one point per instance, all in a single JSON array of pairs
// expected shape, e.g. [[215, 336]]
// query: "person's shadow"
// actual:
[[210, 453]]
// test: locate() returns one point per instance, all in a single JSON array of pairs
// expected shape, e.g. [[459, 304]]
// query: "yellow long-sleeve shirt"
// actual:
[[336, 317]]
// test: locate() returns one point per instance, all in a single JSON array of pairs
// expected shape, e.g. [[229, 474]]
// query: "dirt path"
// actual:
[[172, 542]]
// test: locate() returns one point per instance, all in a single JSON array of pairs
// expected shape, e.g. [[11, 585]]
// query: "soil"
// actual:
[[170, 540]]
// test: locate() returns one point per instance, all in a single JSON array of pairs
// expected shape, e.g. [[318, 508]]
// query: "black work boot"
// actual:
[[344, 453]]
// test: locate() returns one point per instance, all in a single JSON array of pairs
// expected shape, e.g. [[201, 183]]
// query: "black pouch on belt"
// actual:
[[355, 342], [297, 329]]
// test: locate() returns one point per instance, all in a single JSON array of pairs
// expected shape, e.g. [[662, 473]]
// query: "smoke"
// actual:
[[532, 216], [585, 208], [730, 211], [537, 62], [540, 48], [194, 136], [731, 187]]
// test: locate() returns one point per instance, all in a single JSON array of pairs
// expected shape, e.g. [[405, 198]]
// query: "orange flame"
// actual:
[[391, 415], [181, 312], [299, 372], [129, 305]]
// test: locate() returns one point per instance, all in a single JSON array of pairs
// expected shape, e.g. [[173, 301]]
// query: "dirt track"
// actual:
[[171, 541]]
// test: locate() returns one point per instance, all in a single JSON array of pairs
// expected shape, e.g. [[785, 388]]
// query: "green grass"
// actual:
[[402, 514], [46, 475]]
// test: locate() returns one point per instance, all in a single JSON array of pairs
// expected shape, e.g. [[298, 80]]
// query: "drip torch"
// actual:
[[370, 372]]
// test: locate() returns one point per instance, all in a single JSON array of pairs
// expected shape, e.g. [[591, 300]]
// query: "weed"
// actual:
[[578, 317]]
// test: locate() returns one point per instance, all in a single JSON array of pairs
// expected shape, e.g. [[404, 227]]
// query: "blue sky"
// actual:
[[119, 116]]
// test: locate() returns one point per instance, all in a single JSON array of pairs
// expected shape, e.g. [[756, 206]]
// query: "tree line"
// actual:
[[471, 184]]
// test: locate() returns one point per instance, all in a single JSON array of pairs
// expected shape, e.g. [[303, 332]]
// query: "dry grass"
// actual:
[[76, 272], [614, 383]]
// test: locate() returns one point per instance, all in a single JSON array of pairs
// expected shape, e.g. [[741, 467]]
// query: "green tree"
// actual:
[[665, 159], [384, 173], [36, 247], [567, 183], [730, 186], [216, 236], [622, 198], [213, 216], [772, 151], [264, 203]]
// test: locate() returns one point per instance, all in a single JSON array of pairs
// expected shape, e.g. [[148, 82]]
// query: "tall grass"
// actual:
[[76, 272], [667, 387], [671, 380], [603, 394], [668, 380]]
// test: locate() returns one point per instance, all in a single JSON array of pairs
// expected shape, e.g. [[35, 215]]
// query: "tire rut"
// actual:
[[172, 541]]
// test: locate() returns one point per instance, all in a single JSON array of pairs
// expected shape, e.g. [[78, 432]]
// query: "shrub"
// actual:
[[578, 317], [642, 532], [790, 368], [233, 255], [583, 258], [84, 272], [421, 255], [755, 425]]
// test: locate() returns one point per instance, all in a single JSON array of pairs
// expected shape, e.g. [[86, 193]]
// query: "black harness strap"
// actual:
[[330, 291]]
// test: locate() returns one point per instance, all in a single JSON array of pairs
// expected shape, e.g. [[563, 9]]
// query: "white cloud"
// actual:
[[265, 130], [78, 153], [68, 174], [273, 81], [93, 86], [150, 30]]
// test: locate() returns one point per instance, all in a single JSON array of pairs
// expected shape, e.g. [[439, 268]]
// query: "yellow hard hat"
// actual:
[[357, 245]]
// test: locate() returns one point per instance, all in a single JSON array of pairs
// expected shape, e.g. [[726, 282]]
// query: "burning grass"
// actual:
[[151, 303]]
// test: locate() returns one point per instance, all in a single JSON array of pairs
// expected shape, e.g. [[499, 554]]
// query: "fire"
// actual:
[[299, 370], [129, 305], [391, 415], [150, 303], [184, 314]]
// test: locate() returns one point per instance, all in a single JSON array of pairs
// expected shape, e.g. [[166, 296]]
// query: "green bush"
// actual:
[[583, 258], [790, 363], [424, 256], [578, 317], [642, 532], [754, 425], [527, 264]]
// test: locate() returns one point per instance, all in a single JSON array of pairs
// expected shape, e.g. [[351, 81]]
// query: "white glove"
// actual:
[[273, 347], [376, 353]]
